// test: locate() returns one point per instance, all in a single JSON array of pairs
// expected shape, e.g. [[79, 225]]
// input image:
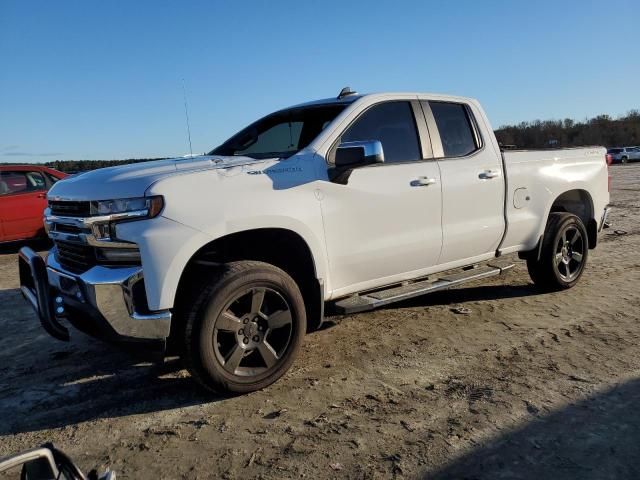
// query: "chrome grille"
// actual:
[[61, 227], [74, 257], [70, 209]]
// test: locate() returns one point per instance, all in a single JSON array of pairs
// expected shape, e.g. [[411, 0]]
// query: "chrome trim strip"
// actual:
[[89, 239], [423, 130], [432, 127], [88, 223]]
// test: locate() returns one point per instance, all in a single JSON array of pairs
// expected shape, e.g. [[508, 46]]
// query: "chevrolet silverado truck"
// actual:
[[354, 202]]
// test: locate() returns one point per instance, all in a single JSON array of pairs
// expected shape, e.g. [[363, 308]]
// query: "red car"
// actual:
[[23, 198]]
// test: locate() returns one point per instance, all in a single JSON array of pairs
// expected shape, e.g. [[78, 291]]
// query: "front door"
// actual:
[[383, 222]]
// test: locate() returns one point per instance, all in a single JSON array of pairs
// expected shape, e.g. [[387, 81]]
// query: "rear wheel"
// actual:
[[245, 328], [563, 254], [624, 160]]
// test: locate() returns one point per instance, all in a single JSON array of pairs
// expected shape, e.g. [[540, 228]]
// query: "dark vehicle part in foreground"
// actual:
[[48, 463]]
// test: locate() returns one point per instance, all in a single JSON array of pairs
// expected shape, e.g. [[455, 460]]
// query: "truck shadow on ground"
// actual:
[[45, 383], [467, 294], [470, 294], [598, 437], [49, 384]]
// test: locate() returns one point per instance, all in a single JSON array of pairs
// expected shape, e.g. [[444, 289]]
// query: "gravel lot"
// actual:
[[524, 386]]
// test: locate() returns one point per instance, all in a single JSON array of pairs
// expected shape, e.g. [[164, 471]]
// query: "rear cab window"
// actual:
[[458, 133]]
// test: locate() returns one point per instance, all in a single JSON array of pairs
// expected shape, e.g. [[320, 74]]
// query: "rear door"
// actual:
[[382, 221], [472, 182], [23, 198]]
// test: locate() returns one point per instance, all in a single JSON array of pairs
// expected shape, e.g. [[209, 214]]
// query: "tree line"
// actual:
[[601, 130], [75, 166]]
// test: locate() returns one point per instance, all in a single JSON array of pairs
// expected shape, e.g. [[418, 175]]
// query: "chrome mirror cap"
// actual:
[[359, 152]]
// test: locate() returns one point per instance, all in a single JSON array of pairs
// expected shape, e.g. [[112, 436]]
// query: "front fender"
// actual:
[[166, 246]]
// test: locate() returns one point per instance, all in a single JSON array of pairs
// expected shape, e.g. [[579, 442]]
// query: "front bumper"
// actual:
[[105, 302]]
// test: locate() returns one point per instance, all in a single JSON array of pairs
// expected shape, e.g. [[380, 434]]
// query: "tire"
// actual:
[[624, 160], [244, 329], [563, 255]]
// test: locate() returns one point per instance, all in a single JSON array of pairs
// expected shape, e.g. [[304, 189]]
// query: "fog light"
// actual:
[[60, 310]]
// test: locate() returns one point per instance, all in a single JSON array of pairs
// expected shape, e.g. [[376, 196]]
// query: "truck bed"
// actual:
[[535, 178]]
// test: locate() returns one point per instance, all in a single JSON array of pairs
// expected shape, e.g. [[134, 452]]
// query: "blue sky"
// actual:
[[102, 80]]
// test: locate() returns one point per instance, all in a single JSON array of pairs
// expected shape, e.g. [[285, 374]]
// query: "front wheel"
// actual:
[[563, 254], [624, 160], [245, 328]]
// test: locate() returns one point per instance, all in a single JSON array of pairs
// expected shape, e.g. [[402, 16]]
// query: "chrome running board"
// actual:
[[376, 298]]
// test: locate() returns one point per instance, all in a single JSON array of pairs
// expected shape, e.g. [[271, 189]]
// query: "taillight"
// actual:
[[608, 158]]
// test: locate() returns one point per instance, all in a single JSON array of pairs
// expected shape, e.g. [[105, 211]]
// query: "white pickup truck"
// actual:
[[353, 202]]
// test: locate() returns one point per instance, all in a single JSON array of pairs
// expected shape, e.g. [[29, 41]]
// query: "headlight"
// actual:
[[142, 207], [122, 210]]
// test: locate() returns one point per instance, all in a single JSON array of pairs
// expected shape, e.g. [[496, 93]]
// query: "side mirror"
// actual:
[[359, 153]]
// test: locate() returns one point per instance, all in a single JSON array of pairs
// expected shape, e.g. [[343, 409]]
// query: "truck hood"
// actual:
[[127, 181]]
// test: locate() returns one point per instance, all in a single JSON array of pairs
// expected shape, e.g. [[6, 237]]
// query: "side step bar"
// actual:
[[373, 299]]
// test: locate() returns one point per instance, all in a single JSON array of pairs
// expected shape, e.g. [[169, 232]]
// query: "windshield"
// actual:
[[280, 134]]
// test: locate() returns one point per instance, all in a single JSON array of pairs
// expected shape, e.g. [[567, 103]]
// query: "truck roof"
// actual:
[[329, 101], [356, 96]]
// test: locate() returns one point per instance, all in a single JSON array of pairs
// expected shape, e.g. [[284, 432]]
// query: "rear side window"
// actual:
[[18, 182], [455, 127], [391, 123]]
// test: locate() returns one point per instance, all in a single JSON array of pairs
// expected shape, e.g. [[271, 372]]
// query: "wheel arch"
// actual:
[[579, 202], [281, 247]]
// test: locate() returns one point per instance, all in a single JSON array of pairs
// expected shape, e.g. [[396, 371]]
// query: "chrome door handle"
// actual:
[[489, 174], [423, 182]]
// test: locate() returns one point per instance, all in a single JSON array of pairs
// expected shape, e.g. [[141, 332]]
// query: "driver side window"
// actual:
[[393, 124]]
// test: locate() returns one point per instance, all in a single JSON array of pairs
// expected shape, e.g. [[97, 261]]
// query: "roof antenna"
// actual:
[[186, 114], [345, 92]]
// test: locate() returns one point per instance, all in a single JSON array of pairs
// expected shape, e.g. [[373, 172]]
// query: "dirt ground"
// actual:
[[524, 386]]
